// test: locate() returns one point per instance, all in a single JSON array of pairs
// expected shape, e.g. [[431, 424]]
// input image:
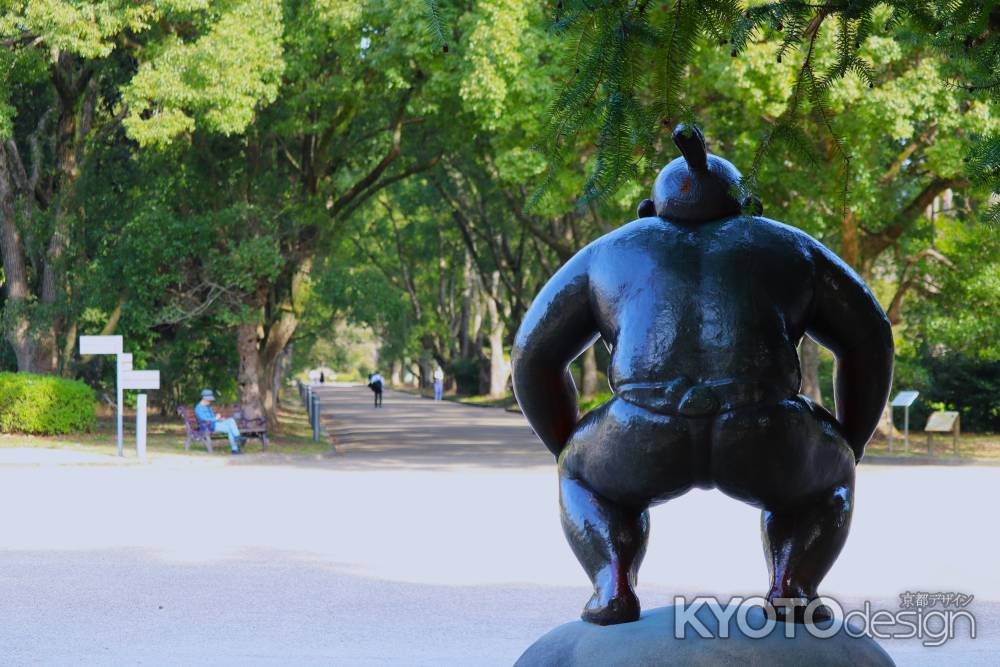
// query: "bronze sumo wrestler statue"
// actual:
[[702, 307]]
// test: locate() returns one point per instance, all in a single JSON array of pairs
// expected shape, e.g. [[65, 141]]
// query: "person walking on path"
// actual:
[[375, 381], [203, 412], [438, 383]]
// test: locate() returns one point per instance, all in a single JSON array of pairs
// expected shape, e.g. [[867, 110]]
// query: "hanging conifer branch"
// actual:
[[436, 24], [628, 61]]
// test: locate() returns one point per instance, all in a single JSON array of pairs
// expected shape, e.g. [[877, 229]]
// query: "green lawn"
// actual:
[[165, 435], [970, 445], [294, 436]]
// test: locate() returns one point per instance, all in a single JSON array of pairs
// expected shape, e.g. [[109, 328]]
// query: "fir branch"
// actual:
[[619, 49], [436, 24]]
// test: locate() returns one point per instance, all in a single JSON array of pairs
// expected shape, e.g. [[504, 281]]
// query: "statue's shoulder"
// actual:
[[784, 236], [637, 231]]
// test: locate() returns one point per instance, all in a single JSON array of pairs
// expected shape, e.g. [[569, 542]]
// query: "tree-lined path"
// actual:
[[413, 432]]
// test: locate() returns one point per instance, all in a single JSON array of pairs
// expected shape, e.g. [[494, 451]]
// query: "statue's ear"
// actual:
[[752, 205], [646, 209]]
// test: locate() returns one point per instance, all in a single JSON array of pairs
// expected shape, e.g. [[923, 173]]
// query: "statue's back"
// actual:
[[709, 302]]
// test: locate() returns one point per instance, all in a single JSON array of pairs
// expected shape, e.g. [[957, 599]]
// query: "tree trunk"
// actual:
[[498, 365], [53, 271], [809, 363], [278, 337], [18, 332], [885, 426], [426, 370], [67, 360], [396, 374], [850, 244], [465, 326], [499, 368], [277, 379], [53, 277], [588, 377], [248, 378], [274, 351]]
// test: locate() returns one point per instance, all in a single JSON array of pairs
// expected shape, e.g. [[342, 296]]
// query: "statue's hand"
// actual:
[[858, 449]]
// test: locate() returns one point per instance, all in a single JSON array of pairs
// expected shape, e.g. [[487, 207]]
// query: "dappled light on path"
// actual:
[[409, 432]]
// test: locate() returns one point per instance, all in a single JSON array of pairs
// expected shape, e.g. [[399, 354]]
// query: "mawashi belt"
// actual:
[[687, 399]]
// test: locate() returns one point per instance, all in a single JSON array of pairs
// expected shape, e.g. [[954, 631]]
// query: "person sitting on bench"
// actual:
[[203, 412]]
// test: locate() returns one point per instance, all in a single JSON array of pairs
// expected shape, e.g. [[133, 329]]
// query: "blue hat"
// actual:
[[207, 394]]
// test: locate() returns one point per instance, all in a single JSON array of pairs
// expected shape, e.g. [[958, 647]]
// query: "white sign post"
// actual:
[[108, 345], [140, 426], [904, 399], [125, 378]]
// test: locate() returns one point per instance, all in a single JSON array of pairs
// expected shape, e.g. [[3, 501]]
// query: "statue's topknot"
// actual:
[[698, 186]]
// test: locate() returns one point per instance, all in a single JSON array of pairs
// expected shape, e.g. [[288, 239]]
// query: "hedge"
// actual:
[[45, 404]]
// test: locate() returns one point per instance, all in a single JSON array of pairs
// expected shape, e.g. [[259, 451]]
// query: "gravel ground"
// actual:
[[432, 539]]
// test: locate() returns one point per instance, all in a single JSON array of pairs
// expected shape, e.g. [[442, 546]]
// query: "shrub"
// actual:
[[951, 382], [44, 404], [466, 374]]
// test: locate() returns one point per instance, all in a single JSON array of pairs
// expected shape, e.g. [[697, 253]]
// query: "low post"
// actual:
[[315, 417], [892, 427], [903, 399], [140, 426], [906, 429], [118, 409], [955, 432]]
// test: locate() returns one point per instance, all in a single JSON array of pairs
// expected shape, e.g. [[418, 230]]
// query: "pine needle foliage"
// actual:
[[626, 64], [437, 24]]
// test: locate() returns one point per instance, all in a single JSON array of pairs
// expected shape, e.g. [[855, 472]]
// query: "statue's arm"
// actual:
[[557, 328], [848, 320]]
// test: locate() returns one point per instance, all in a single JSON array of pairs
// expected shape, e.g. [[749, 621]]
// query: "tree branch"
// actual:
[[904, 155], [873, 245], [895, 310], [391, 155]]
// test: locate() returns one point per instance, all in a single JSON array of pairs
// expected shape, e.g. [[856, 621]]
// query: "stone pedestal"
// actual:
[[651, 642]]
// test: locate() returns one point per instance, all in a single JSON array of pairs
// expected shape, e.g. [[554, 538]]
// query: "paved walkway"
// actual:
[[410, 432], [433, 539]]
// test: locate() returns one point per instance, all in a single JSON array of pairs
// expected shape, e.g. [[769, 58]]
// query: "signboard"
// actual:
[[140, 380], [941, 422], [905, 399], [127, 379], [124, 362], [101, 345]]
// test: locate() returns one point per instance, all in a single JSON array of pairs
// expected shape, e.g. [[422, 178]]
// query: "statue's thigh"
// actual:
[[630, 455], [779, 455]]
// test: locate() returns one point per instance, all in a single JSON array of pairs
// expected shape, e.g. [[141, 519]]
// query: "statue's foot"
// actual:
[[623, 607], [797, 613]]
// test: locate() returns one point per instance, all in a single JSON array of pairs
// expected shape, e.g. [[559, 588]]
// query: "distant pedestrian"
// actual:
[[438, 383], [375, 382], [322, 377]]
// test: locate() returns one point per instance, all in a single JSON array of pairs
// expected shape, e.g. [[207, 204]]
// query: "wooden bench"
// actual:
[[201, 431]]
